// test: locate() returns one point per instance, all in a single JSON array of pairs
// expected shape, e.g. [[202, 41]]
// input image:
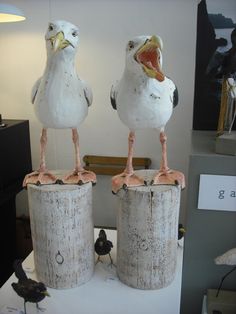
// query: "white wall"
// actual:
[[105, 27]]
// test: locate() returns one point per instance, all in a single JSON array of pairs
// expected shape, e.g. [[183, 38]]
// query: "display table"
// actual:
[[103, 294]]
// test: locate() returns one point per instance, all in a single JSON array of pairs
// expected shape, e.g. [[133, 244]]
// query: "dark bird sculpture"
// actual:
[[28, 289], [206, 114], [223, 66], [103, 246]]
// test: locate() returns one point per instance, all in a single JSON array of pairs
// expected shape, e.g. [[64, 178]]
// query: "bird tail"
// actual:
[[19, 271]]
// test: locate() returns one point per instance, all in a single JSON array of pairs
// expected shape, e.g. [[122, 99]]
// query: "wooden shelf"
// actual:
[[107, 165]]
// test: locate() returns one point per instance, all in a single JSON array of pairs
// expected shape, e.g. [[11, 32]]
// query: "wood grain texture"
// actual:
[[62, 234], [147, 226]]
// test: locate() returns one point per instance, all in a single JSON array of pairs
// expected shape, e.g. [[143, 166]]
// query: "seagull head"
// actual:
[[62, 36], [144, 54]]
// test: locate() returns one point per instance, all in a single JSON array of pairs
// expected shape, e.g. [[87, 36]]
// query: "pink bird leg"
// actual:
[[127, 178], [79, 175], [166, 175], [42, 175]]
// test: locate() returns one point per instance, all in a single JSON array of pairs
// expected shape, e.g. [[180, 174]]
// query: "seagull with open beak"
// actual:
[[144, 99]]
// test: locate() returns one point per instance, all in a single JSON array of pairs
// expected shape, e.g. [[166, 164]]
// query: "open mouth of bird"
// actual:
[[149, 57]]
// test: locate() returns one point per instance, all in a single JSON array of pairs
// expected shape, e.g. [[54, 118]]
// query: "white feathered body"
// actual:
[[60, 100], [144, 102]]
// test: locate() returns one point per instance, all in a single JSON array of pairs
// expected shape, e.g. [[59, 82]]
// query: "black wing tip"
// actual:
[[175, 97], [112, 98], [113, 103], [86, 98]]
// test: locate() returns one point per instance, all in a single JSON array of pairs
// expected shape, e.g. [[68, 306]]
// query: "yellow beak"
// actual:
[[149, 56], [153, 42], [46, 293], [58, 42]]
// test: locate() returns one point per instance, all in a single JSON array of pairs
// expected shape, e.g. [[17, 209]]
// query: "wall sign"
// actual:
[[217, 192]]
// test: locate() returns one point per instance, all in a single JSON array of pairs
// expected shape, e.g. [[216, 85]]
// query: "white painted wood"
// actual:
[[62, 233], [147, 226]]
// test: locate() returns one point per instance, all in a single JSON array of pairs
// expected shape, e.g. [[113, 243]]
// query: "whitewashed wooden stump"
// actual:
[[147, 233], [62, 233]]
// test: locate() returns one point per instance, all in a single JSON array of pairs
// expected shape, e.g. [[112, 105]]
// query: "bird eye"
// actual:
[[74, 33], [50, 27], [131, 45]]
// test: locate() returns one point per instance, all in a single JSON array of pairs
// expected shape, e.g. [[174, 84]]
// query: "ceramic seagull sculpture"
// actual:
[[61, 99], [145, 98], [228, 258]]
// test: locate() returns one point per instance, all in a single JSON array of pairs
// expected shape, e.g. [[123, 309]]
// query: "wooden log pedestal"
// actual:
[[62, 233], [147, 235]]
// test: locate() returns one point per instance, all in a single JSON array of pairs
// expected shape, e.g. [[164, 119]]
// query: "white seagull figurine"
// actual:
[[144, 98], [228, 258], [61, 99]]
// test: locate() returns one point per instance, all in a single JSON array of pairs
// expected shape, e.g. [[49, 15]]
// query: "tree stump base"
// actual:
[[62, 233], [147, 235]]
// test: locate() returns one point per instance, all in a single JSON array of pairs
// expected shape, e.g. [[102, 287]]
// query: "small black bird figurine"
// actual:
[[28, 289], [181, 231], [103, 246]]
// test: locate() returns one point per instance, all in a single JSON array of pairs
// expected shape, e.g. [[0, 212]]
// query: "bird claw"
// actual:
[[80, 177], [59, 181], [171, 177], [126, 180], [98, 260], [125, 187], [41, 309], [112, 264], [39, 178]]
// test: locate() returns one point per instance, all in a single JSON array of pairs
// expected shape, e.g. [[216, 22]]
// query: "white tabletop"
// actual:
[[103, 294]]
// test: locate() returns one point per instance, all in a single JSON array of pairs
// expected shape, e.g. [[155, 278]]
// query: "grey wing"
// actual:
[[87, 93], [35, 90], [113, 94]]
